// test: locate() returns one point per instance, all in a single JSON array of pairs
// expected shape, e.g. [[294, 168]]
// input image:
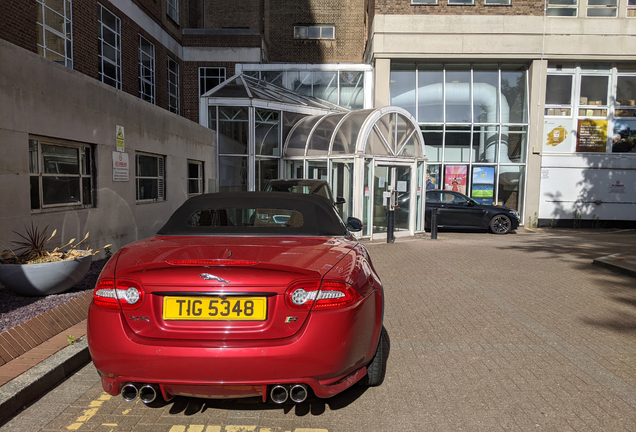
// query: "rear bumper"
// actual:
[[329, 354]]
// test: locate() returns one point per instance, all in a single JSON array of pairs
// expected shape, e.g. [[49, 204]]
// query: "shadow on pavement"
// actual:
[[313, 405]]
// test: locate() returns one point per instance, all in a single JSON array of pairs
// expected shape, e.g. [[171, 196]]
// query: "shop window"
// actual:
[[402, 85], [457, 146], [55, 31], [109, 48], [563, 8], [195, 177], [172, 10], [625, 96], [210, 77], [558, 95], [319, 31], [173, 86], [61, 174], [457, 94], [430, 102], [146, 70], [593, 96], [266, 169], [150, 177], [602, 8]]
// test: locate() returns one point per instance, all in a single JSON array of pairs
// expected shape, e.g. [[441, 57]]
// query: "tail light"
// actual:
[[331, 294], [118, 293]]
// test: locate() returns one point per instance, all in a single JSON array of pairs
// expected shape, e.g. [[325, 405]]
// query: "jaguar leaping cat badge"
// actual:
[[207, 276]]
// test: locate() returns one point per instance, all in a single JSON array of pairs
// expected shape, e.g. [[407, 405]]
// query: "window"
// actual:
[[60, 174], [150, 177], [562, 8], [146, 70], [496, 2], [461, 2], [55, 31], [319, 31], [631, 8], [425, 2], [109, 48], [210, 77], [195, 177], [602, 8], [172, 10], [173, 86]]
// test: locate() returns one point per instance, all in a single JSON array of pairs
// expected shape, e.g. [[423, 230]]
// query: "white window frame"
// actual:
[[424, 2], [497, 2], [554, 7], [602, 7], [172, 10], [84, 173], [146, 72], [173, 86], [67, 35], [206, 73], [107, 79], [461, 3], [160, 178], [198, 179], [302, 31]]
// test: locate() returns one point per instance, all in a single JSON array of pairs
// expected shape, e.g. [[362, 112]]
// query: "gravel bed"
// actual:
[[15, 309]]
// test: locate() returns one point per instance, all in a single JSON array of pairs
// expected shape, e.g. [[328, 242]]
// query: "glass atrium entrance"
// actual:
[[265, 132]]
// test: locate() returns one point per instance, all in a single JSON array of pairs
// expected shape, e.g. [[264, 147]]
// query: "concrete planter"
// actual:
[[31, 280]]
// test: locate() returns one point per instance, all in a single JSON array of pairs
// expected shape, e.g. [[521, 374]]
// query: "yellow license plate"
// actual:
[[215, 308]]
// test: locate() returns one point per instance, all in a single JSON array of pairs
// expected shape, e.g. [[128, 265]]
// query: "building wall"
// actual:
[[55, 102], [404, 7], [246, 14], [347, 16]]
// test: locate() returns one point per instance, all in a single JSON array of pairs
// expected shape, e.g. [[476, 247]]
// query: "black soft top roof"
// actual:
[[319, 218]]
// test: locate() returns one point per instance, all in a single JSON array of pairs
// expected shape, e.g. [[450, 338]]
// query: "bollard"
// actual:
[[434, 224], [390, 238]]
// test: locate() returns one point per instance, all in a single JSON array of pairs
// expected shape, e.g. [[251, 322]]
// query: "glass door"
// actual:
[[387, 179]]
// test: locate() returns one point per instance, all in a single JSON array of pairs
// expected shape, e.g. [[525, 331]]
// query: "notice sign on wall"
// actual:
[[120, 139], [591, 136], [120, 166]]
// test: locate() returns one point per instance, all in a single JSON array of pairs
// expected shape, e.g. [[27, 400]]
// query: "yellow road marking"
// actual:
[[89, 413], [196, 428], [177, 428], [240, 428], [109, 424]]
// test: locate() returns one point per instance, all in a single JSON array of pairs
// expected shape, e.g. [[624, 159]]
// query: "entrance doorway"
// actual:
[[389, 178]]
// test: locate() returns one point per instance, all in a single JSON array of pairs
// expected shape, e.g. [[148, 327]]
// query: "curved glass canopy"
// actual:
[[388, 131]]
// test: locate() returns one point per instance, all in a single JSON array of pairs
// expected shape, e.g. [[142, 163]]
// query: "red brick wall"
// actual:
[[18, 23], [346, 15], [404, 7], [85, 37], [234, 14]]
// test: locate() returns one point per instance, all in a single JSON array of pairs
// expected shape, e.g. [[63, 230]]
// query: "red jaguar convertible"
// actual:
[[263, 294]]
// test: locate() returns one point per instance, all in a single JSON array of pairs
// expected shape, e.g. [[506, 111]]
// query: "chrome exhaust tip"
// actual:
[[147, 393], [129, 392], [298, 393], [278, 394]]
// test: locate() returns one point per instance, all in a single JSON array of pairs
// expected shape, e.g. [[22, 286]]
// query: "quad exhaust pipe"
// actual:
[[296, 392], [146, 392]]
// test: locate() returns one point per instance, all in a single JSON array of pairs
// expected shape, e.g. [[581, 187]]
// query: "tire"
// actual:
[[500, 224], [377, 368]]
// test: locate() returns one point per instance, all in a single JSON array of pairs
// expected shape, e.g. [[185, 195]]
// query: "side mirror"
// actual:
[[354, 224], [340, 200]]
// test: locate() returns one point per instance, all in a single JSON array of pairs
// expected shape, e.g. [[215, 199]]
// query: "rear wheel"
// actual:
[[500, 224], [377, 368]]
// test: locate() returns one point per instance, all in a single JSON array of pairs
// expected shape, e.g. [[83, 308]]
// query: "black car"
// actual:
[[456, 210]]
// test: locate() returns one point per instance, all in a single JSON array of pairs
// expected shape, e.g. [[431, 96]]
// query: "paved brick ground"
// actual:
[[488, 333]]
